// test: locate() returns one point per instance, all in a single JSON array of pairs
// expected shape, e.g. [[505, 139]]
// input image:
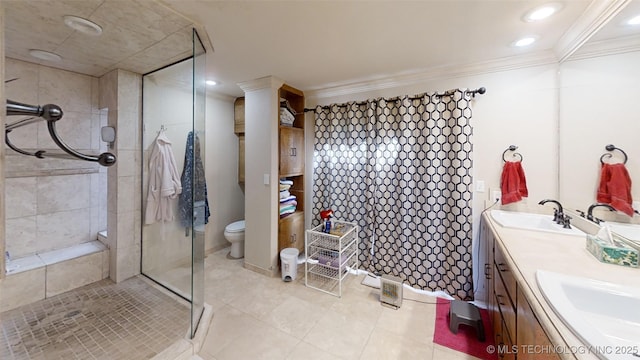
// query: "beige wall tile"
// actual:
[[128, 162], [98, 195], [127, 190], [20, 197], [129, 94], [71, 91], [127, 130], [25, 137], [77, 95], [112, 188], [62, 193], [98, 221], [25, 89], [65, 228], [105, 264], [70, 274], [74, 129], [108, 85], [126, 228], [97, 145], [22, 288], [95, 95], [128, 262], [21, 236]]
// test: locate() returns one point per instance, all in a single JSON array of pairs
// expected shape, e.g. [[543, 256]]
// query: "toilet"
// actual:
[[234, 233]]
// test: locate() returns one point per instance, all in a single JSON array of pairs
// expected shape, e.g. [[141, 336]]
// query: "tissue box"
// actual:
[[617, 254]]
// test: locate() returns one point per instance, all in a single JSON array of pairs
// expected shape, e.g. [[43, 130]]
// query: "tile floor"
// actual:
[[103, 320], [257, 317]]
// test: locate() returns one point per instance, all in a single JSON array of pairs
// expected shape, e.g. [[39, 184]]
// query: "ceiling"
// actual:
[[312, 45]]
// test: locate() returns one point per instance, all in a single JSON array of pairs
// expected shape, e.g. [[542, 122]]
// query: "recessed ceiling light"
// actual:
[[634, 21], [82, 25], [211, 82], [44, 55], [542, 12], [525, 41]]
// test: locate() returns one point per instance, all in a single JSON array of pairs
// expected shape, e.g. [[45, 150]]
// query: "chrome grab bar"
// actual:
[[21, 123], [48, 112], [51, 113]]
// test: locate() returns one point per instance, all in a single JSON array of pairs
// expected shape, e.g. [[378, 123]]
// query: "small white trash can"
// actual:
[[289, 263]]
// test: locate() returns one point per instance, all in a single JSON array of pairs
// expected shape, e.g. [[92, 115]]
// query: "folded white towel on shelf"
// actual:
[[284, 194], [288, 198], [289, 202], [284, 104], [287, 210], [286, 182], [283, 187], [286, 117]]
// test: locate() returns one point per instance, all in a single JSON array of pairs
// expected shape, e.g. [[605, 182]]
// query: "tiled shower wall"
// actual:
[[120, 93], [54, 203]]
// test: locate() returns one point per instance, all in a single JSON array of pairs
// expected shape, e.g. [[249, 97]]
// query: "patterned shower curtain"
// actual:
[[402, 170]]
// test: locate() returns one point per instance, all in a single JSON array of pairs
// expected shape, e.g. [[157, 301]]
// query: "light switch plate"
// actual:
[[265, 179]]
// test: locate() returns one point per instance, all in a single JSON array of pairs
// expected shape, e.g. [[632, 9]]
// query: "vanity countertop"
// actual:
[[528, 251]]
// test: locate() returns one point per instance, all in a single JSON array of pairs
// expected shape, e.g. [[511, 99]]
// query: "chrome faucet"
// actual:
[[558, 213], [590, 216]]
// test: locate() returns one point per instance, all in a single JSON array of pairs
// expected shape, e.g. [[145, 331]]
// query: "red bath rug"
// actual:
[[465, 340]]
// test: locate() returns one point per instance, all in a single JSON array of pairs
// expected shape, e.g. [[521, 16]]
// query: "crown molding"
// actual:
[[607, 47], [597, 14], [441, 72]]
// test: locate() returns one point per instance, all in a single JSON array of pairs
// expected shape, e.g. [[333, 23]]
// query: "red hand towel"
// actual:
[[603, 195], [513, 183], [615, 187]]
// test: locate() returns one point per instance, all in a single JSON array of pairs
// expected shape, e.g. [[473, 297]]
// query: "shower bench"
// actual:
[[39, 276]]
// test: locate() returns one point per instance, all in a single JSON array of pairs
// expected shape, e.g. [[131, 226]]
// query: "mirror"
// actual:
[[599, 99]]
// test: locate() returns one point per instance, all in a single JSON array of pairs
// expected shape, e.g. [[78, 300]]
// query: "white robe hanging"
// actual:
[[164, 182]]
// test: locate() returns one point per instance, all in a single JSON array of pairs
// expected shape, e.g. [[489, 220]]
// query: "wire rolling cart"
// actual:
[[330, 256]]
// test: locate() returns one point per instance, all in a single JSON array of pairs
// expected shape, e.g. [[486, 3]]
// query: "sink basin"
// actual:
[[529, 221], [603, 315]]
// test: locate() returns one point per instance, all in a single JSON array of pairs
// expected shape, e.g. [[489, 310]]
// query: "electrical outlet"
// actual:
[[480, 186], [496, 195]]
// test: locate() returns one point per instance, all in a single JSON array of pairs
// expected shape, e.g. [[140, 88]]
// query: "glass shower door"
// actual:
[[201, 207], [173, 224]]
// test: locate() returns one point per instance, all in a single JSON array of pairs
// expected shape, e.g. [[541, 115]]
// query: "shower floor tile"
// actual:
[[103, 320]]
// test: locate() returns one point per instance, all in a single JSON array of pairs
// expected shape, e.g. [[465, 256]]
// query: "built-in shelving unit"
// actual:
[[238, 129], [291, 165]]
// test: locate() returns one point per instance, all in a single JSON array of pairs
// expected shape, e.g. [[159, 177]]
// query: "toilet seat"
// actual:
[[235, 227]]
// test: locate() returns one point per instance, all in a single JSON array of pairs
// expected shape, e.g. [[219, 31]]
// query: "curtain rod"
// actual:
[[473, 93]]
